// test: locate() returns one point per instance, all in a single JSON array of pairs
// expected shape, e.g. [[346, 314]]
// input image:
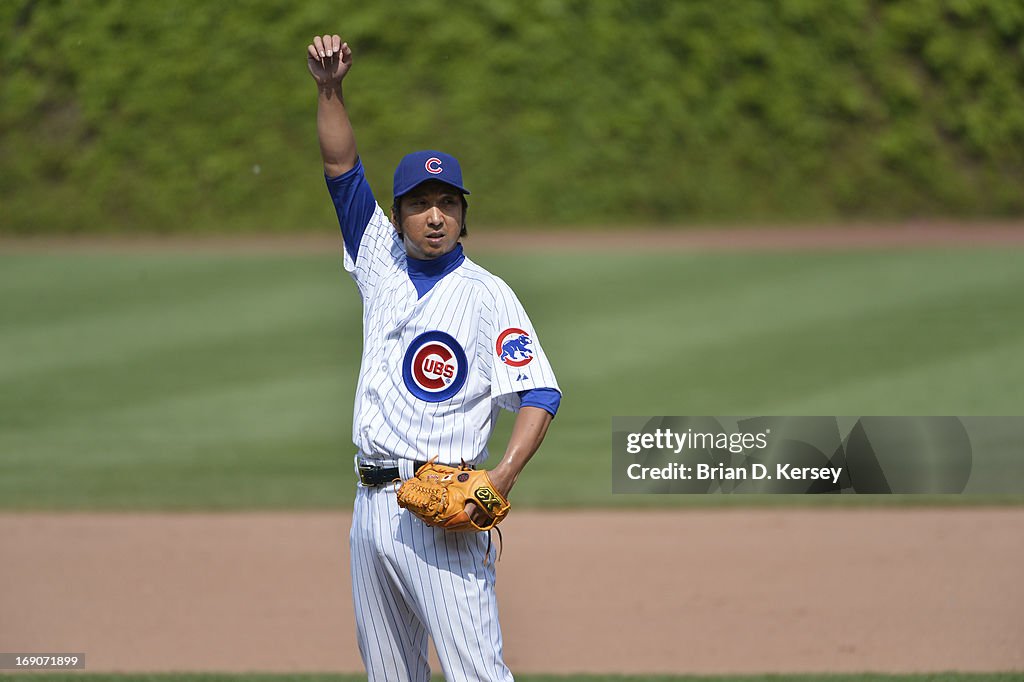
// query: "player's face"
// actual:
[[431, 220]]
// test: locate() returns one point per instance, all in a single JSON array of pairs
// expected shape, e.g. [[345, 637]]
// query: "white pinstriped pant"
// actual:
[[410, 580]]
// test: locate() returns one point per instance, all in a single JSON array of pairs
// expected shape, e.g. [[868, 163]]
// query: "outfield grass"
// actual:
[[170, 381]]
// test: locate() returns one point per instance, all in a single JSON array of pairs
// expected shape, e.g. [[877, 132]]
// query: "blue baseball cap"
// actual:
[[419, 167]]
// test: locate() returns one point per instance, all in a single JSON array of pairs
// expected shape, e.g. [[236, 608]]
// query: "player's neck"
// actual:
[[436, 266], [424, 274]]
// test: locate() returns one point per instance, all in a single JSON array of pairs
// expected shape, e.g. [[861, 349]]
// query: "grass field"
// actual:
[[211, 381]]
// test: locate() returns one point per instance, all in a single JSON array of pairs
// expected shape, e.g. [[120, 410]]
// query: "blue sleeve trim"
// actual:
[[545, 398], [354, 204]]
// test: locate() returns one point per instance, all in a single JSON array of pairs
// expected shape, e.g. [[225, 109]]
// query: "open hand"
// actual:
[[328, 59]]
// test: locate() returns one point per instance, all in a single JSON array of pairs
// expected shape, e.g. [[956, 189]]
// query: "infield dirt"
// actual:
[[692, 591]]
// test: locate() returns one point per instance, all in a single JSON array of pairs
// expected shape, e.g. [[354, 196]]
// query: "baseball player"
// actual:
[[445, 345]]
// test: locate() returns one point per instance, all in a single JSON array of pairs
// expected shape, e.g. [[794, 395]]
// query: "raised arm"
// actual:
[[329, 60]]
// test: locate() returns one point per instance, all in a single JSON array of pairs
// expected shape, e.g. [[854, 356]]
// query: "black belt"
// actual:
[[371, 474]]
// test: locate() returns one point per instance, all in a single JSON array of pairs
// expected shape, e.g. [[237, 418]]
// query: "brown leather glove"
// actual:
[[438, 495]]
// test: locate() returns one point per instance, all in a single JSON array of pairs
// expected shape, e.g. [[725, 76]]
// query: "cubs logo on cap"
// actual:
[[435, 367], [514, 347], [418, 167]]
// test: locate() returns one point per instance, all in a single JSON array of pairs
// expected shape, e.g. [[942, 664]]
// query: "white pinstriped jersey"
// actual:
[[435, 369]]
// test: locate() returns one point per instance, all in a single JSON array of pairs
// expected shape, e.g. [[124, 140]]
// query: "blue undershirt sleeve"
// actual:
[[545, 398], [354, 204]]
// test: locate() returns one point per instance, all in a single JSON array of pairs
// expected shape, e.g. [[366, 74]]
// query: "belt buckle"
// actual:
[[365, 471]]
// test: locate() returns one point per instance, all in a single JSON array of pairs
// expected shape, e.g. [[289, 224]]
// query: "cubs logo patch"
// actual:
[[433, 165], [435, 367], [513, 347]]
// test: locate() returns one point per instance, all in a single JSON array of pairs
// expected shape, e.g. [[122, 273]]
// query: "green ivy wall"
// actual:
[[196, 116]]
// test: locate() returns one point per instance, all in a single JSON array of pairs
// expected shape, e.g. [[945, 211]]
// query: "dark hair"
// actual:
[[396, 210]]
